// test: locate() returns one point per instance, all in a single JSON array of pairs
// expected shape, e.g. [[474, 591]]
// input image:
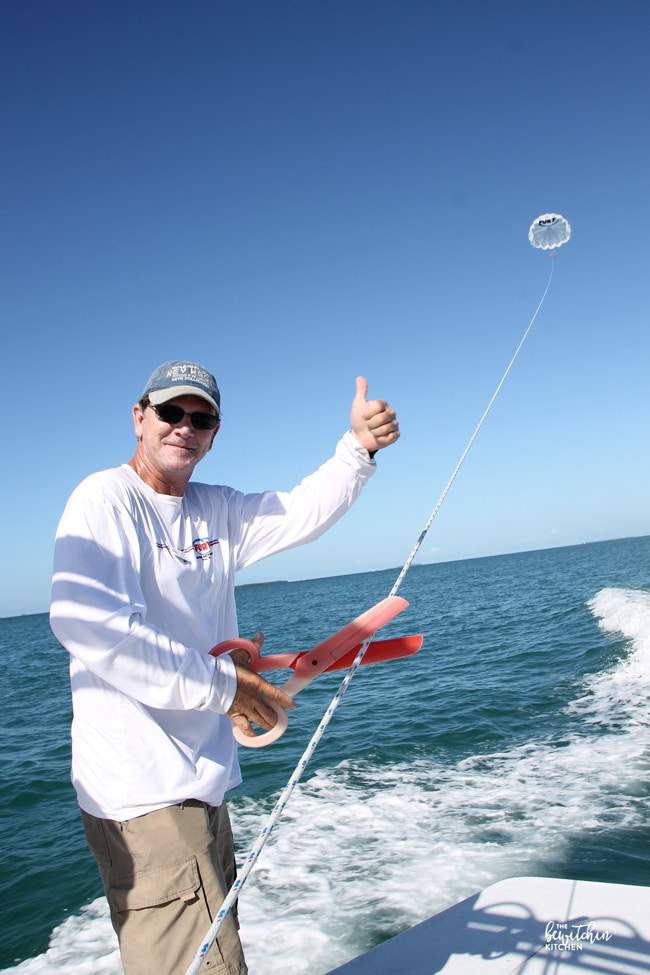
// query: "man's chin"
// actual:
[[180, 459]]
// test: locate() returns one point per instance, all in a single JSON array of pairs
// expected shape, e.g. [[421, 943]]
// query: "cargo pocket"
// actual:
[[151, 888], [161, 917]]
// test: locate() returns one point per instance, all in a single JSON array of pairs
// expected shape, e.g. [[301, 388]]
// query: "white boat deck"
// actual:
[[525, 926]]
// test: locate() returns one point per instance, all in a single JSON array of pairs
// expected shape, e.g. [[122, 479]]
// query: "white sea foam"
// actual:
[[365, 851], [621, 694], [83, 945]]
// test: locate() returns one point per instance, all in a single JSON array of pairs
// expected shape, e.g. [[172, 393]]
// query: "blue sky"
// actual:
[[295, 193]]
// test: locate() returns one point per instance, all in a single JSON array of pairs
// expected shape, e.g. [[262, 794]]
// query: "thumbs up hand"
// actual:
[[373, 422]]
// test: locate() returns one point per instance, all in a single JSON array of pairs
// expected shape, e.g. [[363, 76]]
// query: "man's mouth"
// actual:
[[182, 446]]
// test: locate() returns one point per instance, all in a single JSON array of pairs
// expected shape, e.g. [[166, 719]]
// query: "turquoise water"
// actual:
[[516, 742]]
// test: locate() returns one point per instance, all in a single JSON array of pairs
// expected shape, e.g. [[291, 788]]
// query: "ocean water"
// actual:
[[515, 742]]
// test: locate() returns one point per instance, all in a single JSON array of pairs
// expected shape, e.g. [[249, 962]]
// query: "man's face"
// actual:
[[173, 449]]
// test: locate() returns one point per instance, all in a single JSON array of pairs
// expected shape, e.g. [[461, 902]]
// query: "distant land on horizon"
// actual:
[[271, 582]]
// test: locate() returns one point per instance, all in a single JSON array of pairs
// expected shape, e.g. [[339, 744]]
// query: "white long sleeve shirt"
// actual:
[[143, 588]]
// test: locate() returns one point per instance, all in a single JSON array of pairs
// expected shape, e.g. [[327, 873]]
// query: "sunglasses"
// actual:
[[171, 414]]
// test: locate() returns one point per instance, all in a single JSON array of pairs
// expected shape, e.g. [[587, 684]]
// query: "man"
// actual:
[[144, 578]]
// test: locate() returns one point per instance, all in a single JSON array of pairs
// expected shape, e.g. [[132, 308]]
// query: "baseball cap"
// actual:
[[180, 378]]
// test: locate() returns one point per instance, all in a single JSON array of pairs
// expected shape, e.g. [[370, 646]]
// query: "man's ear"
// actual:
[[138, 420], [214, 433]]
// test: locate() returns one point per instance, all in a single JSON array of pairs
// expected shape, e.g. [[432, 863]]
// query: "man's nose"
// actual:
[[184, 425]]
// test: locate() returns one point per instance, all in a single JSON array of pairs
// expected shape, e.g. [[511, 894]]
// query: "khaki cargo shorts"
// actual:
[[166, 875]]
